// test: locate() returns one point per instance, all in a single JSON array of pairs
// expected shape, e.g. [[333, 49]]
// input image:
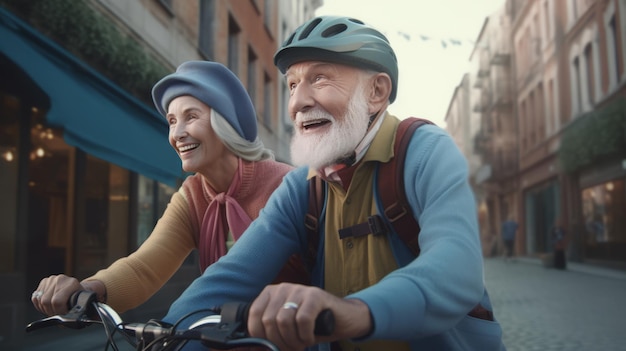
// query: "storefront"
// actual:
[[542, 200], [603, 197], [542, 207], [85, 170]]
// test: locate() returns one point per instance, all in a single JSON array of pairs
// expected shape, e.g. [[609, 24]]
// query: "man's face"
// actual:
[[329, 106]]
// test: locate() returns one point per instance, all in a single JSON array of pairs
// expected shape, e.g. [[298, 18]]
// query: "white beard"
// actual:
[[320, 150]]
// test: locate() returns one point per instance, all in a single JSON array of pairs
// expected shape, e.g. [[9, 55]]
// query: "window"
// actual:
[[233, 45], [540, 113], [152, 200], [205, 37], [523, 125], [284, 113], [519, 47], [50, 194], [252, 72], [604, 206], [576, 96], [590, 74], [532, 118], [102, 210], [552, 118], [267, 101], [615, 70], [268, 14], [537, 39], [9, 151], [164, 195], [547, 21], [146, 211]]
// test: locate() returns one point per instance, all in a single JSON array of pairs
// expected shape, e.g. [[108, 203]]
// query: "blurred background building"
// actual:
[[544, 110], [85, 167]]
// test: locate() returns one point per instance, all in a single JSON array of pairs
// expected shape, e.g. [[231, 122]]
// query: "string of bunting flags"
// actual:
[[445, 42]]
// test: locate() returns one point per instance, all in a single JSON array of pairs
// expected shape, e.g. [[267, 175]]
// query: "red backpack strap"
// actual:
[[396, 206], [311, 220], [391, 186]]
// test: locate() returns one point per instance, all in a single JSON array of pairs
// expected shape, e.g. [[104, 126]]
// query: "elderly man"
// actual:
[[342, 76]]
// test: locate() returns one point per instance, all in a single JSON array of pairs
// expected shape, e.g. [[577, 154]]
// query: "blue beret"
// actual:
[[216, 86]]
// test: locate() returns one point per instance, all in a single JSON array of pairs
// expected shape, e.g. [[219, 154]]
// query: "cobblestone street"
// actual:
[[549, 309]]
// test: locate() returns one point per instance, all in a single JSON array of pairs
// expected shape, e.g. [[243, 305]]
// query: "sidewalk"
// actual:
[[579, 267]]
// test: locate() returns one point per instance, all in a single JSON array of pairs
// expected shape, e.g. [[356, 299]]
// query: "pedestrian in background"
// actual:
[[509, 229], [557, 234]]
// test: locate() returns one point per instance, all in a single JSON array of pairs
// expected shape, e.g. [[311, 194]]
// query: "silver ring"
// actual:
[[290, 306], [37, 294]]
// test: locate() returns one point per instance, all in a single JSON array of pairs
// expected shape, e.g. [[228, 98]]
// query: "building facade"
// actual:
[[86, 169], [493, 134], [564, 126]]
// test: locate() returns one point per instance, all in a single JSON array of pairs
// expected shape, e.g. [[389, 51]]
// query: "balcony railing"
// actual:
[[500, 58], [483, 63], [501, 55], [502, 97]]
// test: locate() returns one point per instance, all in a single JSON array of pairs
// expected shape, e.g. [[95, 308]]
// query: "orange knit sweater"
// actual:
[[132, 280]]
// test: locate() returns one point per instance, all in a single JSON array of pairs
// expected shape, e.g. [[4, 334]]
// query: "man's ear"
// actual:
[[381, 89]]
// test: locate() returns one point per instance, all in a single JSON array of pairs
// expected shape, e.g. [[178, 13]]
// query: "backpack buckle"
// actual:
[[376, 225]]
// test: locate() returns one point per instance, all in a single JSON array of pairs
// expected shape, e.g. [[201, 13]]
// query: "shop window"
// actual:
[[9, 141], [165, 194], [102, 214], [152, 200], [49, 198], [604, 206], [146, 213]]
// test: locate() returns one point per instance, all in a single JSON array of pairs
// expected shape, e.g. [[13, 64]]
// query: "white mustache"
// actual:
[[313, 115]]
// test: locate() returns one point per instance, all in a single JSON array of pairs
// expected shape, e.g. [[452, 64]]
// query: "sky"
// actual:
[[433, 40]]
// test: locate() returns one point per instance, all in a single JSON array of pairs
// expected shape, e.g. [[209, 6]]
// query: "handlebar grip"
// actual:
[[71, 302], [325, 323], [238, 312], [81, 299]]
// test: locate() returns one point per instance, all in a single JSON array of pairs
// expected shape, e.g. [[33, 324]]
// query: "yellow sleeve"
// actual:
[[132, 280]]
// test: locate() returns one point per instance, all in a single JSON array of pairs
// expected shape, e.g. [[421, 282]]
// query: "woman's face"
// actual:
[[192, 136]]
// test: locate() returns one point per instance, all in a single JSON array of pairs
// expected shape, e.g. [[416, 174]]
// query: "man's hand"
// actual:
[[285, 315]]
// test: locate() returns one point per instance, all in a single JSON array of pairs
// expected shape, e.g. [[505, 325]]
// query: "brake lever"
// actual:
[[216, 331], [62, 320], [76, 318]]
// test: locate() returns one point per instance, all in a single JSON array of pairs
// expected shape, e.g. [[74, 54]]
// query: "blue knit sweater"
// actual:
[[425, 302]]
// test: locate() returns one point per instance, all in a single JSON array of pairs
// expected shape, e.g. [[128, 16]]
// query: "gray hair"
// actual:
[[250, 151]]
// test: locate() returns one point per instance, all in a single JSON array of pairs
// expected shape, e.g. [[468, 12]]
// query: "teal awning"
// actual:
[[95, 114]]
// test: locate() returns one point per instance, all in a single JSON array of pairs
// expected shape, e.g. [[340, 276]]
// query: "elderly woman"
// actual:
[[213, 129]]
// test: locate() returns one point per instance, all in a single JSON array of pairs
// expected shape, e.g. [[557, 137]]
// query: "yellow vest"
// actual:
[[355, 263]]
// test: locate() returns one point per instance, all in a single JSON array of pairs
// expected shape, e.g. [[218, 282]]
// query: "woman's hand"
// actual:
[[53, 293], [285, 315]]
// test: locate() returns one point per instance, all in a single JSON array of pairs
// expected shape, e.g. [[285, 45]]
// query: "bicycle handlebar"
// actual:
[[236, 311], [223, 331]]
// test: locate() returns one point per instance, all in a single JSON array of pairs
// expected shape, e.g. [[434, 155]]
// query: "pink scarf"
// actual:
[[213, 230]]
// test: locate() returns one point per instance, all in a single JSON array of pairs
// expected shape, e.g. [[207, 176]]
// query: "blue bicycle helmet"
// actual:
[[340, 40]]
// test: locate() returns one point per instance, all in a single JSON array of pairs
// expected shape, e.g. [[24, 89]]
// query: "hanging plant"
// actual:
[[595, 136], [94, 39]]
